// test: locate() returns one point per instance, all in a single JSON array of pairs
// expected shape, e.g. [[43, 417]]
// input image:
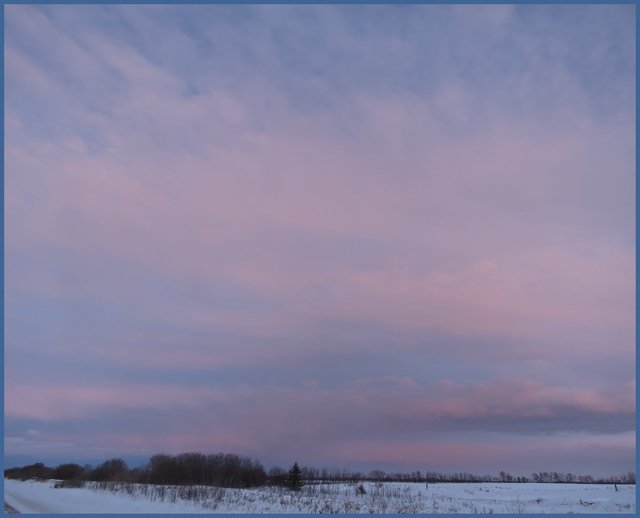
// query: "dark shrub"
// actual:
[[68, 483], [68, 472], [111, 470]]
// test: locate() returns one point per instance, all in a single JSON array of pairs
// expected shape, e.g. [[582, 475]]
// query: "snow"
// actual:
[[43, 497]]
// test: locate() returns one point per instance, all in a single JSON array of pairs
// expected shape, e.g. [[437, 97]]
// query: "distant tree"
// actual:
[[294, 482], [377, 475], [191, 468], [629, 478], [36, 471], [277, 476], [68, 472], [110, 471], [163, 469], [308, 473]]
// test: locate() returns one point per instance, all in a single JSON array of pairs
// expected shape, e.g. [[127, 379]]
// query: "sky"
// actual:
[[395, 237]]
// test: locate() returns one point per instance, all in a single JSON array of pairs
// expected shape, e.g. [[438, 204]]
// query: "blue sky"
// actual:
[[363, 236]]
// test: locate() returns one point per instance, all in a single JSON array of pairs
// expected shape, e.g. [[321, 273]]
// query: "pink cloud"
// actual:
[[60, 401], [398, 405], [220, 218], [194, 216], [422, 453]]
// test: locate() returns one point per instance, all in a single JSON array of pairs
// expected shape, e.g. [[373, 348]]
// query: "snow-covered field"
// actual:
[[43, 497]]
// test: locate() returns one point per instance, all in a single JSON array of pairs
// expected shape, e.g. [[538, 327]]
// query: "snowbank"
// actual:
[[43, 497]]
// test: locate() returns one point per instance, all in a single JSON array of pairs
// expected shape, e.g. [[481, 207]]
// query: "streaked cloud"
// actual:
[[262, 212]]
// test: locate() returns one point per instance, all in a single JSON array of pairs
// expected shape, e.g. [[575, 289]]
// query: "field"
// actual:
[[467, 498]]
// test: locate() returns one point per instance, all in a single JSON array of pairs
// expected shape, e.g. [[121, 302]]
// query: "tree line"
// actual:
[[235, 471], [222, 470], [310, 475]]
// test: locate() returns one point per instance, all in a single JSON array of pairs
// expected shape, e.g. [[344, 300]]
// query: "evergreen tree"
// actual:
[[294, 481]]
